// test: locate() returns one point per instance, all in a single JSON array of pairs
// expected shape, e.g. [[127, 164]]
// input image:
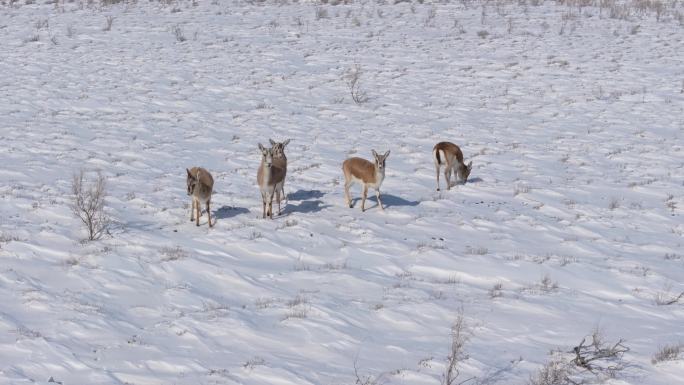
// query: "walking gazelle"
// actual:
[[450, 156], [200, 186], [369, 174]]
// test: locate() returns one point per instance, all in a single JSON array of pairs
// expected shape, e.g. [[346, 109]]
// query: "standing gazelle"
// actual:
[[200, 186], [280, 160], [270, 178], [450, 156], [368, 173]]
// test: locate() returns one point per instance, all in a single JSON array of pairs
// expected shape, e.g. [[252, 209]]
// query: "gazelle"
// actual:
[[369, 174], [200, 186], [280, 160], [270, 178], [450, 156]]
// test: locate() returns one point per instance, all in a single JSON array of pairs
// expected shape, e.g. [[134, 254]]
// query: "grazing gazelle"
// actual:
[[200, 186], [280, 160], [450, 156], [369, 174], [270, 178]]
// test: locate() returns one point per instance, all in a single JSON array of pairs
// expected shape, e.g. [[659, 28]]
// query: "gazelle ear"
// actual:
[[189, 173], [285, 143], [470, 165], [273, 143], [261, 147], [375, 154], [386, 154]]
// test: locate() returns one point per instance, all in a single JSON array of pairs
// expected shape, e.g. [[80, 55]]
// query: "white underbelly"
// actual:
[[375, 185]]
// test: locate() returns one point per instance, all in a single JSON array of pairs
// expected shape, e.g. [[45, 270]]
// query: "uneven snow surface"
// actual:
[[574, 122]]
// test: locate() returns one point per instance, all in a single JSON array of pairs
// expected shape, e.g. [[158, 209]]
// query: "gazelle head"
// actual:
[[266, 156], [464, 171], [380, 160], [192, 181], [278, 148]]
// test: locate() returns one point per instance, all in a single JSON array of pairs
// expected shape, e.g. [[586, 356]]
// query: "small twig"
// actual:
[[674, 300]]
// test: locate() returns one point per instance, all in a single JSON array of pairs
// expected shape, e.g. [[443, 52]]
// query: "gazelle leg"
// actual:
[[278, 199], [199, 211], [263, 206], [347, 195], [437, 173], [363, 201], [209, 213], [192, 211], [377, 194], [270, 205], [447, 174]]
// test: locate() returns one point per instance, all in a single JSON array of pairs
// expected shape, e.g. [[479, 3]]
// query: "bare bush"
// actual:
[[108, 24], [89, 204], [172, 254], [178, 33], [32, 38], [321, 13], [668, 353], [460, 335], [521, 189], [479, 250], [496, 291], [42, 23], [554, 372], [614, 203], [666, 297], [589, 362], [354, 83], [430, 17], [367, 379], [545, 286]]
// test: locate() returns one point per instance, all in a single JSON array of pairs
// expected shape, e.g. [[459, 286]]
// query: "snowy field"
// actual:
[[572, 219]]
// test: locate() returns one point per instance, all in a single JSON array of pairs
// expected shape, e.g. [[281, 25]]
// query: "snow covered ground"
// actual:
[[574, 122]]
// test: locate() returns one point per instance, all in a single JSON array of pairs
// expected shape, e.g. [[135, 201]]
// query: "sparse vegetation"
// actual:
[[178, 33], [108, 23], [353, 77], [614, 203], [321, 13], [172, 253], [479, 250], [89, 204], [496, 291], [32, 38], [588, 362], [666, 297], [668, 353], [521, 189], [460, 335]]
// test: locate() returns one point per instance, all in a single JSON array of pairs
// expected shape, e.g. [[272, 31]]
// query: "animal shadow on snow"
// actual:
[[308, 202], [228, 212], [388, 200]]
